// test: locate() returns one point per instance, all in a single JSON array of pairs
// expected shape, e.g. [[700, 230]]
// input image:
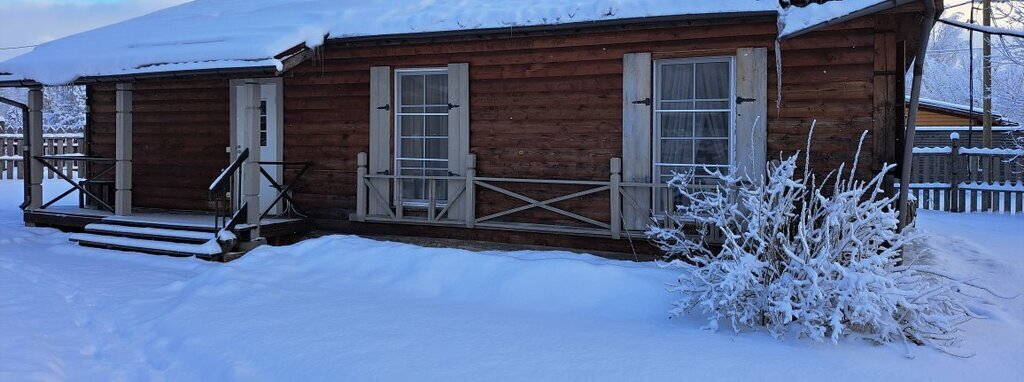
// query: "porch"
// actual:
[[134, 191]]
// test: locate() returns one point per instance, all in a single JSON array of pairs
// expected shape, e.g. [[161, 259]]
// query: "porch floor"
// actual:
[[75, 218]]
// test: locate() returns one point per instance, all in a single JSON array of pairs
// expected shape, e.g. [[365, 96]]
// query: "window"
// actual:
[[693, 116], [263, 123], [421, 137]]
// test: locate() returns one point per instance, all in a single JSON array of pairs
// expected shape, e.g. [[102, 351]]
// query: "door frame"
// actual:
[[278, 137]]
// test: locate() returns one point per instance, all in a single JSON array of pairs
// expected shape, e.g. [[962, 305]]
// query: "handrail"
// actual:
[[221, 179]]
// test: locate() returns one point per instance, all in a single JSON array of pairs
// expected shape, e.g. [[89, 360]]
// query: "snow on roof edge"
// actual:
[[208, 35]]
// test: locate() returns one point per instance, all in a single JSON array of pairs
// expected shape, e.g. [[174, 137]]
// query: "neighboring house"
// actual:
[[516, 121], [937, 120]]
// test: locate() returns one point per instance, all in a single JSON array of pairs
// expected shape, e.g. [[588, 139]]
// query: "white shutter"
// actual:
[[636, 138], [458, 133], [380, 137], [751, 112]]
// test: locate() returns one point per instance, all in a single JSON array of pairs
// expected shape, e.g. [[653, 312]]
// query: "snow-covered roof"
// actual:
[[239, 34], [960, 109]]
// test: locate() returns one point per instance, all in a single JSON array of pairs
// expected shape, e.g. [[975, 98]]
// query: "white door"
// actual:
[[270, 139]]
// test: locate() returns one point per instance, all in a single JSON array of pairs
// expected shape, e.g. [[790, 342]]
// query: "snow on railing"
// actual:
[[933, 150], [990, 151]]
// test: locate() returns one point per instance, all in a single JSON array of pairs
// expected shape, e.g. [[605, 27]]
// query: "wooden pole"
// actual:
[[34, 138], [361, 161], [954, 181], [123, 151], [470, 190], [616, 203], [251, 167]]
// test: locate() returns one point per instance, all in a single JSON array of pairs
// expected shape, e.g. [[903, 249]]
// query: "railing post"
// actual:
[[954, 180], [616, 198], [361, 162], [470, 197]]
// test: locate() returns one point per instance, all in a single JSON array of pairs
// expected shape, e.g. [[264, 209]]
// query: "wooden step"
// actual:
[[150, 233], [165, 223], [210, 249]]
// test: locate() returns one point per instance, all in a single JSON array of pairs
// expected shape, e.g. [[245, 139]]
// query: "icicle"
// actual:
[[778, 72]]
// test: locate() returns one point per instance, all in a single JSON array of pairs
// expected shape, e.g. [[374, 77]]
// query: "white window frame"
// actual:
[[656, 163], [397, 129]]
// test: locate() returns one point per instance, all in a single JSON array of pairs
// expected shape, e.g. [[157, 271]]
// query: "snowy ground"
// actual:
[[344, 308]]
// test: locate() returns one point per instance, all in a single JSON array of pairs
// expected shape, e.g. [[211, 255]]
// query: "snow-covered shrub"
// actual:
[[801, 256]]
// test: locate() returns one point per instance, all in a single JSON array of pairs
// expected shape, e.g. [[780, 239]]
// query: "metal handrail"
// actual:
[[222, 179]]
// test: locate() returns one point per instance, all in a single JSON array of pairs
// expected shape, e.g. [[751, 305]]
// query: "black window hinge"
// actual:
[[385, 107], [741, 100], [645, 101], [451, 106], [385, 172]]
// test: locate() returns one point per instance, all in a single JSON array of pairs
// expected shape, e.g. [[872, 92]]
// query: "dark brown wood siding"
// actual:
[[181, 131]]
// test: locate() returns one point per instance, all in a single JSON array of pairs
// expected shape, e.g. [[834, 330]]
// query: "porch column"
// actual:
[[123, 151], [251, 168], [34, 137]]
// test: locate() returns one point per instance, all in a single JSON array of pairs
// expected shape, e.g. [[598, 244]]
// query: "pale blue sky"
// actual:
[[29, 22]]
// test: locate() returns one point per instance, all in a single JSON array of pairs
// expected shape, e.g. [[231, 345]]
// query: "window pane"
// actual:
[[412, 125], [676, 81], [712, 125], [412, 148], [676, 124], [437, 125], [712, 105], [685, 105], [714, 151], [412, 89], [712, 80], [437, 89], [677, 151], [411, 109], [436, 148]]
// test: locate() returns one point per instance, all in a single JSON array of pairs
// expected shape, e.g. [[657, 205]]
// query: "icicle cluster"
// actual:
[[819, 260]]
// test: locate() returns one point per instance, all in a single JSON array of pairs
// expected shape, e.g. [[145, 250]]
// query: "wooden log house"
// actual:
[[559, 134]]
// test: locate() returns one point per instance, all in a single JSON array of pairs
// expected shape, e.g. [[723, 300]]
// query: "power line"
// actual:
[[18, 47]]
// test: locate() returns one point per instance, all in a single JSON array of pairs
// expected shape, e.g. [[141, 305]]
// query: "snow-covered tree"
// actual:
[[947, 66], [63, 108], [815, 258]]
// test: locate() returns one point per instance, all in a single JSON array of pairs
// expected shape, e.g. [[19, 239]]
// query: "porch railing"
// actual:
[[625, 208]]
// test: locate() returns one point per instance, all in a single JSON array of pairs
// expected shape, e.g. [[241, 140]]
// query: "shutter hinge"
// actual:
[[741, 100], [645, 101], [385, 107], [451, 106], [385, 172]]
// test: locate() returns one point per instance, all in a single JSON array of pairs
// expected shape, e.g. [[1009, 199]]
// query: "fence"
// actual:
[[53, 144], [603, 208], [961, 179]]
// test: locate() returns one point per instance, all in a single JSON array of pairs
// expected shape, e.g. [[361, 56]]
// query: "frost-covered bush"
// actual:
[[813, 258]]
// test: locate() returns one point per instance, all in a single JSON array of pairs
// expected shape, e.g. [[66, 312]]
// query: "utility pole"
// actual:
[[986, 75], [986, 84]]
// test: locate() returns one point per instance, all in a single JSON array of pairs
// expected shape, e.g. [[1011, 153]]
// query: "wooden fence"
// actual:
[[53, 144], [962, 179]]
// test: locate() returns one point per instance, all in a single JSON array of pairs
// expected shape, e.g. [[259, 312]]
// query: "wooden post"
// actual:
[[954, 181], [470, 191], [34, 147], [616, 202], [123, 151], [361, 161], [251, 168]]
